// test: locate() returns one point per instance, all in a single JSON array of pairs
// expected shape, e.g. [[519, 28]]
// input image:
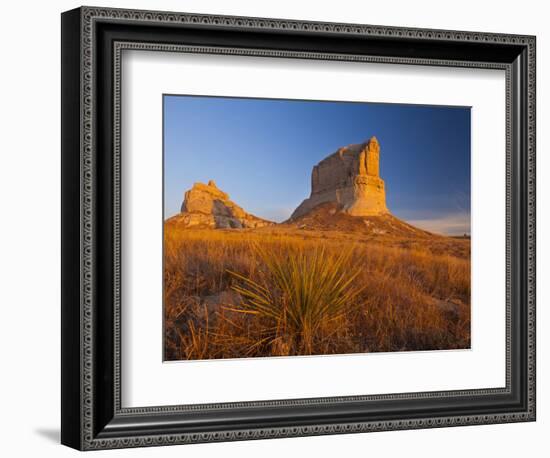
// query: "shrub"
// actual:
[[301, 293]]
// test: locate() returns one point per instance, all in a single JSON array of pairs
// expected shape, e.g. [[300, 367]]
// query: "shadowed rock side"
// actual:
[[350, 177], [205, 205]]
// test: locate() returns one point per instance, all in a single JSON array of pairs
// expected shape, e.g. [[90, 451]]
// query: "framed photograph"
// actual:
[[276, 228]]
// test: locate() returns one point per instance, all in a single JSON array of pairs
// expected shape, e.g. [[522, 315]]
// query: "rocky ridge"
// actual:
[[205, 205], [347, 196]]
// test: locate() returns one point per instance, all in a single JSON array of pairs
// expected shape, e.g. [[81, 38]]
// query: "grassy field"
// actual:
[[284, 291]]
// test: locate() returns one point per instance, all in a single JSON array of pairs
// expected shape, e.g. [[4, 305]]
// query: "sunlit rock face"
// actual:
[[206, 205], [349, 177]]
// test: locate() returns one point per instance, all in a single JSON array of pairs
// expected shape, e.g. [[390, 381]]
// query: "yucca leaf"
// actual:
[[298, 290]]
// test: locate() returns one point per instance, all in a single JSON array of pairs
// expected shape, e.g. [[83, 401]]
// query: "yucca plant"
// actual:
[[299, 292]]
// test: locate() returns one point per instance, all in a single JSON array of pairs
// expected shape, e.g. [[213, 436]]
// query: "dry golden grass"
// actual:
[[282, 291]]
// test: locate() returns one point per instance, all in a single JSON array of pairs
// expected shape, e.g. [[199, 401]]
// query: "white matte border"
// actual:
[[147, 381]]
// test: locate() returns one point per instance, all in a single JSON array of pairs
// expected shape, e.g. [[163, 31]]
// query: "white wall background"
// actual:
[[30, 240]]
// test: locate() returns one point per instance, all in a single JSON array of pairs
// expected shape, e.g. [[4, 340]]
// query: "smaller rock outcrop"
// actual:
[[205, 205]]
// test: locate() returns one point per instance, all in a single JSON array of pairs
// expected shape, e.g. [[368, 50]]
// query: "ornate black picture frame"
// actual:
[[92, 42]]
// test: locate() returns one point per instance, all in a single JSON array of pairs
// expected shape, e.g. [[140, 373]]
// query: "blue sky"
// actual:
[[261, 152]]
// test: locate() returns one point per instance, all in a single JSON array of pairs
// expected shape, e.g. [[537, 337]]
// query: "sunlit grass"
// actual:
[[235, 294]]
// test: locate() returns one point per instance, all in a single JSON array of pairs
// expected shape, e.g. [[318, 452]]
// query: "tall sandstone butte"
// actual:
[[349, 177]]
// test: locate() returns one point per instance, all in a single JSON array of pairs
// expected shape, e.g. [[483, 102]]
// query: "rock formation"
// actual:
[[207, 206], [349, 177]]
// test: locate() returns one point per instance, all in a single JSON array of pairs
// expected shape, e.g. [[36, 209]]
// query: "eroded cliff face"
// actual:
[[207, 206], [350, 177]]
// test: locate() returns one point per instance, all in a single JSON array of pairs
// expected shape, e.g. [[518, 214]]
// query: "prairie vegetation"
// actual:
[[284, 291]]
